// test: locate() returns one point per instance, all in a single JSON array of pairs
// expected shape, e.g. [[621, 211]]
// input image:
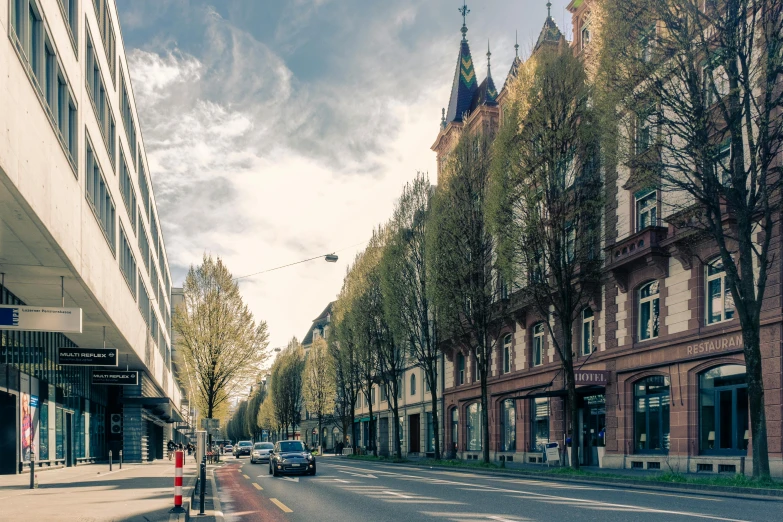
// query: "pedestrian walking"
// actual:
[[171, 448]]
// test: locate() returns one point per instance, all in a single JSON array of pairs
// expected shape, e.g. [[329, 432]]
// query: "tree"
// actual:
[[318, 383], [266, 415], [405, 280], [700, 83], [287, 372], [346, 365], [222, 347], [236, 427], [254, 405], [466, 290], [547, 201]]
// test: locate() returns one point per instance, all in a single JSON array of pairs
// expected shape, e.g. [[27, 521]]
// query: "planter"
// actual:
[[601, 452]]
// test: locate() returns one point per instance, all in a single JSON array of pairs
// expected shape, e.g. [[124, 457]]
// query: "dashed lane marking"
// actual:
[[246, 476], [259, 488], [282, 506]]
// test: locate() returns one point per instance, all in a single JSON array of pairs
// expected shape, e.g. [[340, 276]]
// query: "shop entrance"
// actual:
[[592, 419], [415, 434], [69, 461], [8, 433]]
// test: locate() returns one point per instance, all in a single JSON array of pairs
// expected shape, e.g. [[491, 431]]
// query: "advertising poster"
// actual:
[[35, 416], [27, 427]]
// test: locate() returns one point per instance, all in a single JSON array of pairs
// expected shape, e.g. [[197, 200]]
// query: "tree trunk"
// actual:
[[484, 419], [573, 408], [758, 417], [396, 425], [371, 441], [434, 397], [320, 437]]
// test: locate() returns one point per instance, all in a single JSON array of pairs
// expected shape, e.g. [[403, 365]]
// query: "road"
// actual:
[[345, 490]]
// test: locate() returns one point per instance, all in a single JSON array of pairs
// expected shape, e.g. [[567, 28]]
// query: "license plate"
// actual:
[[295, 465]]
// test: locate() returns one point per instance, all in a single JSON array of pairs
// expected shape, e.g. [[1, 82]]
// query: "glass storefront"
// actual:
[[474, 428], [59, 426], [723, 415], [454, 427], [43, 437], [651, 415], [508, 418], [539, 417], [430, 433]]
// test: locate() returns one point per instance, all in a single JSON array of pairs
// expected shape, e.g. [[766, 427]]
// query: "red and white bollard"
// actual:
[[179, 461]]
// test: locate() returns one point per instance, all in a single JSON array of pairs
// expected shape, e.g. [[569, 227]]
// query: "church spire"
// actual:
[[516, 44], [465, 85], [464, 11]]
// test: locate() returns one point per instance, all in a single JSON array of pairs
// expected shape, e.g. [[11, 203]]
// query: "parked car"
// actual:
[[291, 456], [228, 448], [243, 447], [261, 451]]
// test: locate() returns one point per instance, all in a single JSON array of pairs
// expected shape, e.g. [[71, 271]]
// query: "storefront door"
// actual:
[[592, 419], [8, 439], [69, 439], [415, 434]]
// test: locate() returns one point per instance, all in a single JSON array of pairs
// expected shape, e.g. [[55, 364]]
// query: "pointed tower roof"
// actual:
[[486, 94], [550, 33], [465, 85], [512, 73]]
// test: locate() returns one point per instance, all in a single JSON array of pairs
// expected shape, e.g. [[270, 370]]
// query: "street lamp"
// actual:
[[331, 258]]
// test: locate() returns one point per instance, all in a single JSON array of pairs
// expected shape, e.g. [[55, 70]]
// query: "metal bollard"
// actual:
[[110, 459], [32, 470], [120, 459], [203, 480]]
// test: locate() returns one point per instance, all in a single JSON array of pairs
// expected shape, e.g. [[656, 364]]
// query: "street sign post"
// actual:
[[87, 356], [41, 319], [115, 377]]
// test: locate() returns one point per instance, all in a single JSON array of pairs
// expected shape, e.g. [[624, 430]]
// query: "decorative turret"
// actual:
[[465, 85], [512, 73], [550, 33], [486, 94]]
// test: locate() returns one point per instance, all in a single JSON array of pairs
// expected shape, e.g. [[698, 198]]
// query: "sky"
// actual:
[[280, 130]]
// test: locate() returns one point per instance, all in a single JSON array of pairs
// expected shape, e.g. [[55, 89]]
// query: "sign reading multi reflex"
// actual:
[[41, 319], [87, 356], [115, 377]]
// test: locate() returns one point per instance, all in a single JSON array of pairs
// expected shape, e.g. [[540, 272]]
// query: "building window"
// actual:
[[430, 433], [723, 419], [507, 354], [144, 301], [384, 397], [454, 427], [588, 323], [100, 99], [127, 262], [144, 247], [644, 129], [651, 414], [127, 117], [400, 387], [508, 418], [127, 191], [413, 384], [585, 35], [70, 11], [538, 344], [461, 368], [99, 197], [648, 311], [474, 430], [372, 395], [106, 30], [720, 303], [144, 190], [35, 40], [646, 209], [539, 417]]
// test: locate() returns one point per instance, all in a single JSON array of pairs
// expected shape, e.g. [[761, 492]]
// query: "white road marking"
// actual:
[[290, 479]]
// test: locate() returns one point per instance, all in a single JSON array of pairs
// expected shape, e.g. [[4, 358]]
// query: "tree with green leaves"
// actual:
[[467, 291], [405, 281], [222, 346], [344, 353], [696, 85], [319, 384], [287, 373], [257, 396], [547, 202]]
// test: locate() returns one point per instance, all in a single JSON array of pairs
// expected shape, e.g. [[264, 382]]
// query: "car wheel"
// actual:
[[312, 473]]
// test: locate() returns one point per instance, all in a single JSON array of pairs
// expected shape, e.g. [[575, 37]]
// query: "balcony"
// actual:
[[635, 251]]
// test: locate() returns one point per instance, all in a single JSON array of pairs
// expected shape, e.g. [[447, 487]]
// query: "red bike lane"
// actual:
[[241, 500]]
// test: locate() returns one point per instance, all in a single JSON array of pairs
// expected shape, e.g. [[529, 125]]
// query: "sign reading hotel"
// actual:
[[591, 377], [115, 377], [41, 319], [87, 356]]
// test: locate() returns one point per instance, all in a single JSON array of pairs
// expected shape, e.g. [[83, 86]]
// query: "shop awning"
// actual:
[[161, 407]]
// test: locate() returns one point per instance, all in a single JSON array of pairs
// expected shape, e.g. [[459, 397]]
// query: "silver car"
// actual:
[[261, 452]]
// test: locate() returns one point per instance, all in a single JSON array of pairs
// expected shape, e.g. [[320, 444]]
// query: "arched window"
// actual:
[[720, 303], [413, 384], [538, 344], [455, 427], [539, 418], [651, 414], [507, 354], [474, 429], [508, 418], [588, 322], [461, 368], [648, 310], [723, 410]]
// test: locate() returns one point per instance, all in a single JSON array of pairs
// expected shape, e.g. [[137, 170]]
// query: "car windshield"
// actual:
[[244, 444], [263, 445], [291, 446]]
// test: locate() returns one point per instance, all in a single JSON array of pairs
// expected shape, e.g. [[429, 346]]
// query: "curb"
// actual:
[[720, 491]]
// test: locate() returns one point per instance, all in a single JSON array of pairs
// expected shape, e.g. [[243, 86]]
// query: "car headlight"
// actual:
[[309, 457]]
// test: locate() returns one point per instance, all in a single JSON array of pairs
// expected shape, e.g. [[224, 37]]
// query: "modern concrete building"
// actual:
[[79, 229]]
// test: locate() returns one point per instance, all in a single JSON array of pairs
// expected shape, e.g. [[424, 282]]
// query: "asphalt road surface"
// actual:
[[346, 490]]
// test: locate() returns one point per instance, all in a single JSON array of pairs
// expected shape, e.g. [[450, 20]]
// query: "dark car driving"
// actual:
[[291, 456], [243, 447]]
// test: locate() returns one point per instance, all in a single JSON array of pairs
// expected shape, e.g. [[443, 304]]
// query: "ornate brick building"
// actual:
[[661, 376]]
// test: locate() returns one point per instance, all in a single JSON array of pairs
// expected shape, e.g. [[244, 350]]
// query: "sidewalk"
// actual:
[[136, 493]]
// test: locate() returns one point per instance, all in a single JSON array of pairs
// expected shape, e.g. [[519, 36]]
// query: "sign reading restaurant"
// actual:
[[721, 344], [87, 356], [115, 377], [40, 319]]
